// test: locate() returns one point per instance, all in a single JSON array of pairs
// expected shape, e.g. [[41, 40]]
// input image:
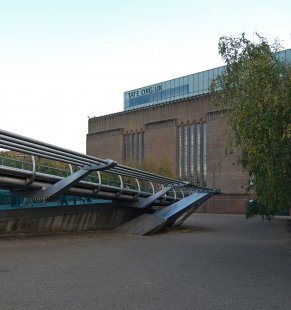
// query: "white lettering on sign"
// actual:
[[145, 91]]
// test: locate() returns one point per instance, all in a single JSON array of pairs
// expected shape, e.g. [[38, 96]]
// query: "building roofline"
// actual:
[[146, 107]]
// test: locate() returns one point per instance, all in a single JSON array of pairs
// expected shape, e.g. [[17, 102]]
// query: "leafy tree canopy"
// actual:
[[255, 88]]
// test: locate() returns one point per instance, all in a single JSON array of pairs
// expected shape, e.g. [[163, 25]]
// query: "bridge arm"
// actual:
[[143, 203], [61, 186]]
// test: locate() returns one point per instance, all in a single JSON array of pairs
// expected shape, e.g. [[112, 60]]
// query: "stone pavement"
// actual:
[[211, 262]]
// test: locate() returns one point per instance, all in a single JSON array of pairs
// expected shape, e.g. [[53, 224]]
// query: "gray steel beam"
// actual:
[[141, 204], [64, 184], [175, 210], [36, 153], [50, 146], [151, 223]]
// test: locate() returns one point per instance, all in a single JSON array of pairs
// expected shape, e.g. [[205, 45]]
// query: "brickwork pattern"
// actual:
[[160, 126]]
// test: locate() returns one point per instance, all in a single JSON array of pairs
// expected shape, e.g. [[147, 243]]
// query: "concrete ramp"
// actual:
[[142, 225], [147, 224]]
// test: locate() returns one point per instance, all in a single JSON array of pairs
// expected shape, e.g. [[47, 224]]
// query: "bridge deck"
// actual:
[[24, 182]]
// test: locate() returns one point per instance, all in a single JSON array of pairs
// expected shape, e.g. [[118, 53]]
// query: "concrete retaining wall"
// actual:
[[98, 217], [65, 219]]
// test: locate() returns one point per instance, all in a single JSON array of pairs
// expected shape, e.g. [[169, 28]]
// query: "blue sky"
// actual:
[[64, 60]]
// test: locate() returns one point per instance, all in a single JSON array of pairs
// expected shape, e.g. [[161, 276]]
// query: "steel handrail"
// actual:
[[12, 141]]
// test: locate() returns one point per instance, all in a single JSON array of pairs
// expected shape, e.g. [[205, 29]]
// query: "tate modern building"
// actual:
[[175, 122]]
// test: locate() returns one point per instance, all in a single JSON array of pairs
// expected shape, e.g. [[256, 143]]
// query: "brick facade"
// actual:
[[116, 136]]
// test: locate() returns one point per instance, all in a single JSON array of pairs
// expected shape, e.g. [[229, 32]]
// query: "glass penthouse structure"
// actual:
[[192, 85]]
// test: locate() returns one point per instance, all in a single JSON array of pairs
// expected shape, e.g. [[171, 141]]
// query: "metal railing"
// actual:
[[92, 164], [26, 145]]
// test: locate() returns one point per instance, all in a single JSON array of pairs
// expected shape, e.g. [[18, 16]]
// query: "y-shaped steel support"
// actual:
[[61, 186], [150, 200]]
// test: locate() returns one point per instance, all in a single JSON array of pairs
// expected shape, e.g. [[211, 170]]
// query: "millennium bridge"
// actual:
[[89, 193]]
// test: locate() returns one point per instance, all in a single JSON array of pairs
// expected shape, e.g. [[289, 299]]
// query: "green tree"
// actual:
[[163, 167], [255, 90]]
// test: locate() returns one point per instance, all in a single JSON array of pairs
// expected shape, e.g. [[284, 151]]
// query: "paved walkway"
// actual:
[[211, 262]]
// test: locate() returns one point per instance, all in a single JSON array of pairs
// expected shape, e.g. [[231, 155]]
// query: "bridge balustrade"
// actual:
[[43, 182], [8, 201]]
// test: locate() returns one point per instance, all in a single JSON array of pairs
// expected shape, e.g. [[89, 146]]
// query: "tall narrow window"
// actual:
[[134, 147], [180, 151], [198, 153], [192, 151], [204, 155], [124, 148], [140, 148], [186, 151], [129, 157]]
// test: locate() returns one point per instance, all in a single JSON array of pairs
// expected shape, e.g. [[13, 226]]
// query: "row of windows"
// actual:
[[192, 157], [192, 148], [160, 95], [133, 144], [183, 87], [179, 88], [284, 56]]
